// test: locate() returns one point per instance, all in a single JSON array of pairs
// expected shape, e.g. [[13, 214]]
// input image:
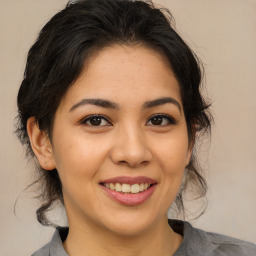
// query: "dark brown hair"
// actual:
[[64, 46]]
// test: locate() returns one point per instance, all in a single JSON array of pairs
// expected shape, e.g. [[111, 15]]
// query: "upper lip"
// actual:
[[130, 180]]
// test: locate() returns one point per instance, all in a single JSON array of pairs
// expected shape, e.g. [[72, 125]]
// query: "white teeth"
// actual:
[[142, 187], [127, 188], [118, 187], [112, 186], [135, 188]]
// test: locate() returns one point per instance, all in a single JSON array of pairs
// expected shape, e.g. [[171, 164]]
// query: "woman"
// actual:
[[110, 107]]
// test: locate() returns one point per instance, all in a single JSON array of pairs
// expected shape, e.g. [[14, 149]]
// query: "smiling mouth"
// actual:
[[127, 188], [129, 191]]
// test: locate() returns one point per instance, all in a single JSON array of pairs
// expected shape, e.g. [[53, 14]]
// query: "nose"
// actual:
[[130, 148]]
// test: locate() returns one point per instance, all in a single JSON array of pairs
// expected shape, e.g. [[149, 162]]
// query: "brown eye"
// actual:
[[157, 120], [160, 120], [95, 120]]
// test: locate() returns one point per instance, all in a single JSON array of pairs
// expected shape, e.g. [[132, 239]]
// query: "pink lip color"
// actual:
[[130, 199], [130, 180]]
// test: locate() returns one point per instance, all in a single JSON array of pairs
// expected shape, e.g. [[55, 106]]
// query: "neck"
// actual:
[[88, 241]]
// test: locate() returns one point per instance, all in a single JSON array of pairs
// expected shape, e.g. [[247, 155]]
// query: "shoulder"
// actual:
[[225, 245], [44, 251], [198, 242], [54, 247]]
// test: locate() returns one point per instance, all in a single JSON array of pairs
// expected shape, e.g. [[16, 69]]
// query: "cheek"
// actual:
[[173, 166], [77, 158], [172, 153]]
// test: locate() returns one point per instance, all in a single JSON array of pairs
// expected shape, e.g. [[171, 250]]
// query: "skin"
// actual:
[[126, 143]]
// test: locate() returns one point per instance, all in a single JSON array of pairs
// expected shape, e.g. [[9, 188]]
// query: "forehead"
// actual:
[[125, 74]]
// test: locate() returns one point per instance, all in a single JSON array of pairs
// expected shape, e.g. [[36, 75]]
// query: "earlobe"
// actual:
[[190, 150], [41, 145], [189, 155], [191, 143]]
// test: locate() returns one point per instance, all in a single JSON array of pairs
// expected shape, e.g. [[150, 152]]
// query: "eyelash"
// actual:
[[170, 120], [90, 118]]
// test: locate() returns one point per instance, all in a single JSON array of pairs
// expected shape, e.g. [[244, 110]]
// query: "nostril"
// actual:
[[123, 163], [145, 162], [132, 164], [130, 153]]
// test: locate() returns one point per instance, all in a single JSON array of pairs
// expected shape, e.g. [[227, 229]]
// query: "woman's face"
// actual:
[[121, 128]]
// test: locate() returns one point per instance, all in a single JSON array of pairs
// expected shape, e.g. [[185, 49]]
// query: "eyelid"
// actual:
[[87, 118], [171, 119]]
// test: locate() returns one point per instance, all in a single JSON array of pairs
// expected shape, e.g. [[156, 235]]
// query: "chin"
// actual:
[[130, 224]]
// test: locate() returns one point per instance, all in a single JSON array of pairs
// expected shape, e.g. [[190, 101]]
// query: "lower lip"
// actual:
[[130, 199]]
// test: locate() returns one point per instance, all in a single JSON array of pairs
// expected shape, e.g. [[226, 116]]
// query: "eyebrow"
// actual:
[[97, 102], [161, 101], [112, 105]]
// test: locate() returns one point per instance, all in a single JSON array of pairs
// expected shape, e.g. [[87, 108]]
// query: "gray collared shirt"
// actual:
[[196, 242]]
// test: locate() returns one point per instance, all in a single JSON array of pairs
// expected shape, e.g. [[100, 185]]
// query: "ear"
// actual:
[[189, 154], [41, 145], [191, 145]]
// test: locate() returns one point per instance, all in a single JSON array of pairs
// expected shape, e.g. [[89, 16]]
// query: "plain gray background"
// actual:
[[223, 34]]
